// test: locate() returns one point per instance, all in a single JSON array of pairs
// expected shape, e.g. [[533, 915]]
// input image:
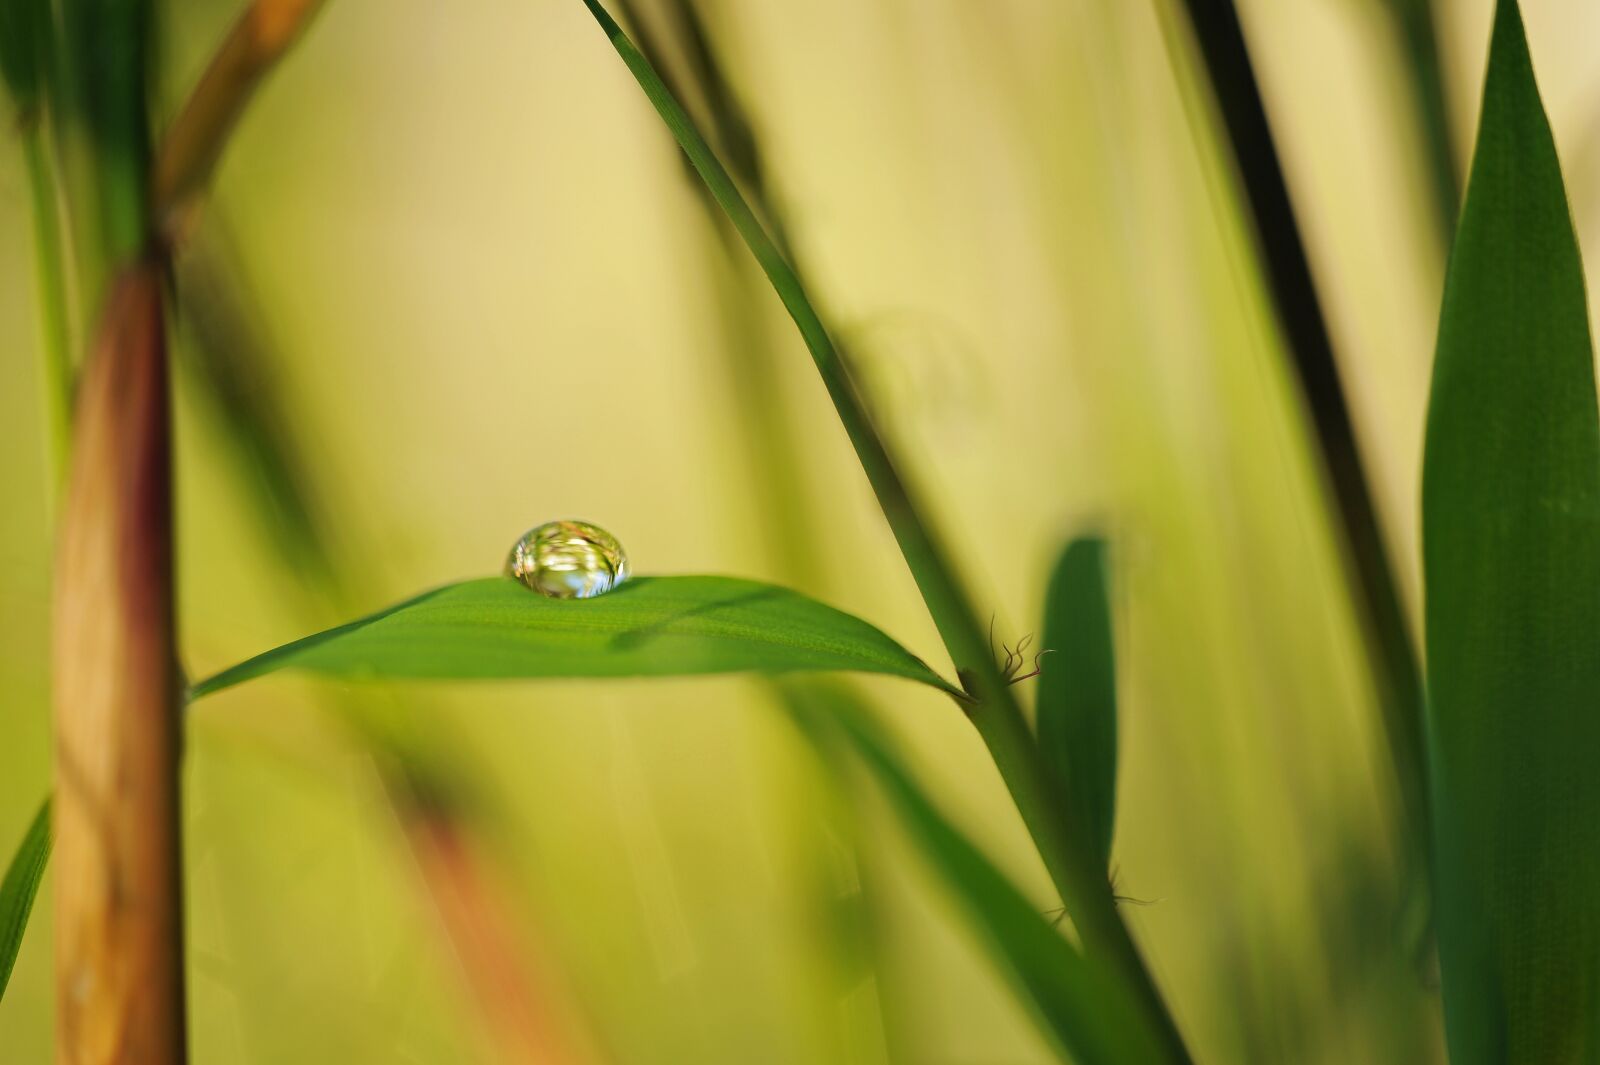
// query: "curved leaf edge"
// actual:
[[282, 657]]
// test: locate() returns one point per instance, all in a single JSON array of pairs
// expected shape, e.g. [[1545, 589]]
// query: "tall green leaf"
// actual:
[[20, 886], [1085, 1010], [1511, 554], [1077, 708], [105, 62], [648, 627]]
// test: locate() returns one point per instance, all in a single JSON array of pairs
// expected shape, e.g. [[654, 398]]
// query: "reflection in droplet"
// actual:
[[568, 560]]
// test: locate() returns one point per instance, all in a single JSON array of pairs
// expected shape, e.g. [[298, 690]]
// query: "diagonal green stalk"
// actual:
[[776, 482], [50, 281], [765, 423], [1092, 1019], [1055, 826], [946, 602]]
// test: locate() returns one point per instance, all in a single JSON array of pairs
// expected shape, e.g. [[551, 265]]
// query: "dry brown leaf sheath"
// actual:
[[524, 1009], [198, 134], [117, 874]]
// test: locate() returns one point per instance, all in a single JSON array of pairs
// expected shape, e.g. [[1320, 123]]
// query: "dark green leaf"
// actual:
[[105, 62], [649, 627], [1083, 1009], [23, 27], [1077, 709], [18, 889], [1511, 553]]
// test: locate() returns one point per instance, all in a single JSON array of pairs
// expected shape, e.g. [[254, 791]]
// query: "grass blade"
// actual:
[[649, 627], [1511, 556], [19, 888], [1077, 708], [1089, 1016]]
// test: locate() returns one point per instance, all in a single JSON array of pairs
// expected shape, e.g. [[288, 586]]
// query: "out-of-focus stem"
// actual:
[[119, 928], [516, 1002], [1065, 850], [50, 283], [1397, 675], [1420, 40], [196, 138]]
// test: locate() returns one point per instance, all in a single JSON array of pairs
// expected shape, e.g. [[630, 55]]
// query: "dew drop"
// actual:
[[568, 560]]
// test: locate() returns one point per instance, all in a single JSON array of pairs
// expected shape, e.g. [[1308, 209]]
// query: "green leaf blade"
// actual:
[[1085, 1011], [1077, 707], [23, 40], [20, 887], [495, 628], [1511, 553]]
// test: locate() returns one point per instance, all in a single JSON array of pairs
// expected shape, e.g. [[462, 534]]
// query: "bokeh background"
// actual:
[[455, 250]]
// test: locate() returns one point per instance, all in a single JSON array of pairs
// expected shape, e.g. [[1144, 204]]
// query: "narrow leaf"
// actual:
[[1085, 1011], [1511, 553], [20, 886], [649, 627], [1077, 709]]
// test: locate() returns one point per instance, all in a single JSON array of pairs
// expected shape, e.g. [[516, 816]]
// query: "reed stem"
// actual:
[[118, 882]]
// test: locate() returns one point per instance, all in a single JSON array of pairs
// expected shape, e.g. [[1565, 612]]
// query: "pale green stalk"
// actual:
[[50, 284]]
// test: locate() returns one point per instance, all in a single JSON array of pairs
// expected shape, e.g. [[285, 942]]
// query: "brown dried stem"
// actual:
[[196, 138], [118, 884], [522, 1006], [119, 929]]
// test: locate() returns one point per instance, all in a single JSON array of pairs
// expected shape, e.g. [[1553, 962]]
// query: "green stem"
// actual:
[[1078, 877], [50, 283]]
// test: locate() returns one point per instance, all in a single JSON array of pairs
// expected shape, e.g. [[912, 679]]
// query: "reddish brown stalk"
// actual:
[[119, 953], [522, 1006], [118, 883], [195, 140]]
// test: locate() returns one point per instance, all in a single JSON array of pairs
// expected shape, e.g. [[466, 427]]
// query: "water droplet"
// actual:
[[568, 560]]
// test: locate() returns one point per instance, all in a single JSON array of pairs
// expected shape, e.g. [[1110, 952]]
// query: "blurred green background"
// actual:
[[480, 285]]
